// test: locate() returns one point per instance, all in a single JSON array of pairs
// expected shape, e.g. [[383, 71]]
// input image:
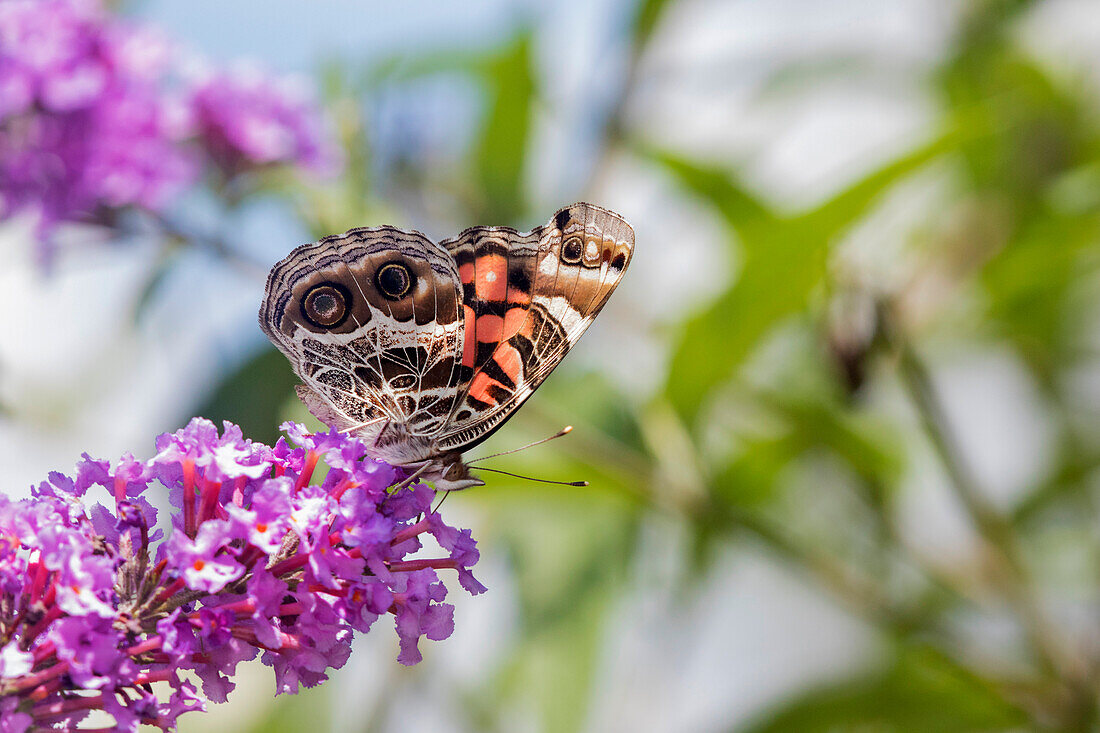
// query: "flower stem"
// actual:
[[210, 492], [52, 615], [410, 532], [159, 675], [34, 680], [64, 707], [289, 565], [997, 533], [189, 524], [436, 563], [307, 470], [151, 644], [41, 575], [343, 488]]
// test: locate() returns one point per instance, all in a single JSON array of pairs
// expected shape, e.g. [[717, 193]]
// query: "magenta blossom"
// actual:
[[96, 118], [84, 122], [258, 560], [248, 119]]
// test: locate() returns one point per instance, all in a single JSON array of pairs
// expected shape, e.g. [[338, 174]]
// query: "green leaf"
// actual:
[[922, 691], [405, 67], [752, 477], [254, 395], [783, 261], [803, 424], [646, 19], [570, 549], [555, 667], [568, 542], [1032, 284], [860, 441], [498, 155], [155, 281], [776, 283], [501, 152], [1033, 128], [740, 208]]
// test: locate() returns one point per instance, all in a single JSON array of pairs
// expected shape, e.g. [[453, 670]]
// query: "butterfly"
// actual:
[[424, 349]]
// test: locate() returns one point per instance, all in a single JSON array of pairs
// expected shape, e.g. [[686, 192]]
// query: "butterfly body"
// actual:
[[424, 349]]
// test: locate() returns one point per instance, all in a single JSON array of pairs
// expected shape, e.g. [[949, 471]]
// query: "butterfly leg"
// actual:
[[414, 476]]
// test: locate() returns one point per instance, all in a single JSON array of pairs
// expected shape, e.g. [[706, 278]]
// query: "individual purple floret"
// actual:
[[258, 561]]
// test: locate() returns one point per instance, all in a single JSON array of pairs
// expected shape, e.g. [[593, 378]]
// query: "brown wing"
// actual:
[[526, 299], [370, 321]]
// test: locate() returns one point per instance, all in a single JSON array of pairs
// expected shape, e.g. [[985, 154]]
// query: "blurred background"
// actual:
[[840, 420]]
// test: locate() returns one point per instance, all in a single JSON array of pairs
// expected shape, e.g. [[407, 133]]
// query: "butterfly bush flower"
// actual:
[[247, 119], [99, 600], [99, 115], [83, 121]]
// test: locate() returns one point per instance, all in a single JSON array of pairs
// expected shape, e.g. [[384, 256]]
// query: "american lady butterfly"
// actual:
[[425, 349]]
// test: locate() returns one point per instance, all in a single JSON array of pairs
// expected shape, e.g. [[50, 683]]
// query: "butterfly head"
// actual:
[[446, 472]]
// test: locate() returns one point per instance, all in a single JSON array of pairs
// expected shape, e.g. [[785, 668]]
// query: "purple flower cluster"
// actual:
[[249, 119], [96, 602], [96, 115], [83, 122]]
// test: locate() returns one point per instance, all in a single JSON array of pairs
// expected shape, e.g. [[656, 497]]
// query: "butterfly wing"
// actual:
[[371, 322], [526, 299]]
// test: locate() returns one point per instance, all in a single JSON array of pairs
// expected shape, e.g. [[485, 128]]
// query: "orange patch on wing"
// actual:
[[466, 273], [518, 297], [489, 328], [479, 388], [515, 321], [469, 346], [491, 277], [509, 360]]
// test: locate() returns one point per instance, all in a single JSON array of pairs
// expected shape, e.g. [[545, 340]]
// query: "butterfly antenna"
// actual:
[[532, 478], [564, 431]]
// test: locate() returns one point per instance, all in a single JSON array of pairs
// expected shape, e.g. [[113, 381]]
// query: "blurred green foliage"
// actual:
[[1015, 255], [917, 691]]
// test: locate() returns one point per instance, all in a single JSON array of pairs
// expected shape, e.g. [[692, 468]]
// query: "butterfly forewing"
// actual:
[[559, 277]]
